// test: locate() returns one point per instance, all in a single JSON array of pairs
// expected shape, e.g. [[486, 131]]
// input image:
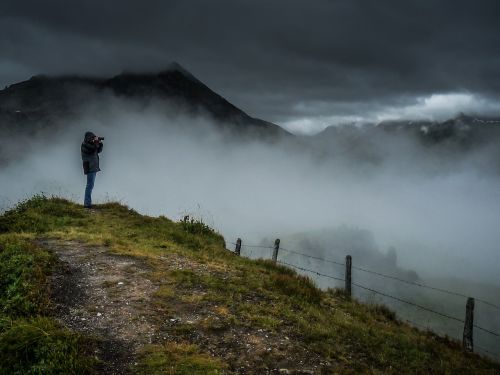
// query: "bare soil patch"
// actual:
[[106, 296]]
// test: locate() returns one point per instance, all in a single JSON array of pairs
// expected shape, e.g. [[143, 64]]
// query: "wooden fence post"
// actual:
[[348, 266], [237, 249], [468, 341], [275, 251]]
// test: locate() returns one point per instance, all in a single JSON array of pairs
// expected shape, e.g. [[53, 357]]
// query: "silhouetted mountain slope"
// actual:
[[42, 100]]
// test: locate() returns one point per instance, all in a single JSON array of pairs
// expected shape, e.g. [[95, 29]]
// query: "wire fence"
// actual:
[[490, 332], [421, 285], [444, 334]]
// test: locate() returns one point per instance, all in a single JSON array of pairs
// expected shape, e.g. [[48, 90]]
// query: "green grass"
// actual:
[[243, 294], [23, 271], [30, 342], [40, 346], [180, 359]]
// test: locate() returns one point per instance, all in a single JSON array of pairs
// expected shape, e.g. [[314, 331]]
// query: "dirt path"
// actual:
[[111, 297], [106, 296]]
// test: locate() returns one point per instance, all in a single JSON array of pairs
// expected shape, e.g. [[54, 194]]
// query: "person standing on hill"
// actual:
[[91, 147]]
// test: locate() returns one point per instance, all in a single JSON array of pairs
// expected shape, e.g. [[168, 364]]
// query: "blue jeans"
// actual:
[[88, 189]]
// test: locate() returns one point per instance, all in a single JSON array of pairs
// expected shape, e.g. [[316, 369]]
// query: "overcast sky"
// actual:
[[301, 64]]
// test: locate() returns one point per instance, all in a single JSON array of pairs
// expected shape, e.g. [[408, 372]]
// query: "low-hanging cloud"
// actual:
[[440, 107], [437, 209], [434, 107], [163, 164]]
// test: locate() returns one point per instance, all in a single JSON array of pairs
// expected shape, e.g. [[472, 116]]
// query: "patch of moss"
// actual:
[[179, 359]]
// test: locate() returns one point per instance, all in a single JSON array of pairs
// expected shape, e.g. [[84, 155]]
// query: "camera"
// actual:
[[100, 138]]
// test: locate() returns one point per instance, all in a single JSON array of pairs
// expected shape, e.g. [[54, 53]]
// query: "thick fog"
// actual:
[[423, 214], [440, 215]]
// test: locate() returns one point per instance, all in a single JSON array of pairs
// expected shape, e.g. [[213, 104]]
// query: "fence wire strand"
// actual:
[[253, 246], [421, 285], [444, 334], [408, 302], [496, 355], [313, 257], [487, 331], [308, 270], [389, 296], [377, 291], [424, 286]]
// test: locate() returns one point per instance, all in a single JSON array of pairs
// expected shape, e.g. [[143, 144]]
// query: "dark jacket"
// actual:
[[90, 153]]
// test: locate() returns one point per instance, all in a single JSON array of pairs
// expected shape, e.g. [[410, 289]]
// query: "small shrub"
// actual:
[[36, 201], [195, 226]]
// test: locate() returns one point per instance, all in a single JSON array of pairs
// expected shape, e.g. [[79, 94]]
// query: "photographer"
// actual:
[[91, 147]]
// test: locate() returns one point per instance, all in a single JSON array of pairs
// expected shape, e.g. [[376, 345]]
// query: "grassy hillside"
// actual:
[[213, 312]]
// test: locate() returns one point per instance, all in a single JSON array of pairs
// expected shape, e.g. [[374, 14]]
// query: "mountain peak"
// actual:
[[176, 67], [173, 67], [47, 99]]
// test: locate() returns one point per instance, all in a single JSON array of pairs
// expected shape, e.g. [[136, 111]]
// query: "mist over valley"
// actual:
[[416, 200]]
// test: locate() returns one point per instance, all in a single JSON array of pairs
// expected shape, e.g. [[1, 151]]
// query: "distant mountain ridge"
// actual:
[[45, 99], [463, 130]]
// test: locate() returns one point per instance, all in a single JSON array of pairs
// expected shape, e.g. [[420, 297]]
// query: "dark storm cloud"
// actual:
[[277, 60]]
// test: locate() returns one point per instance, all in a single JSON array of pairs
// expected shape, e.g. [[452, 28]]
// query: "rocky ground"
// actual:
[[112, 298]]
